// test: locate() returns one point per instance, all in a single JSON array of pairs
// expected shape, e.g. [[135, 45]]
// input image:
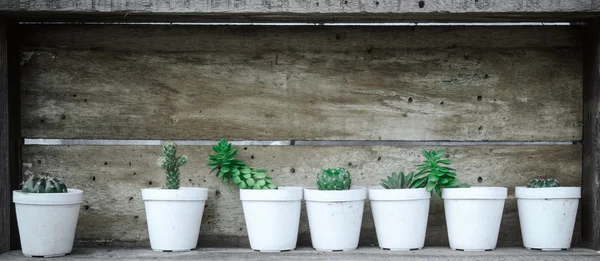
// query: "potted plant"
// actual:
[[335, 210], [47, 213], [473, 214], [174, 213], [272, 213], [400, 210], [547, 214]]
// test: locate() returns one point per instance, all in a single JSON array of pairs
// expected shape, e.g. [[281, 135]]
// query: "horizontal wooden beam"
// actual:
[[302, 10]]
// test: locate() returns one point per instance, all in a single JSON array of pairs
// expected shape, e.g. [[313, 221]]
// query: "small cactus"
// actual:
[[171, 164], [543, 183], [334, 179], [43, 184]]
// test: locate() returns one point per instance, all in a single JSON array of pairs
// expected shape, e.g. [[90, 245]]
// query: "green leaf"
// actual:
[[261, 182], [430, 186], [438, 192], [250, 182], [246, 170], [419, 183], [225, 169], [261, 170], [260, 175]]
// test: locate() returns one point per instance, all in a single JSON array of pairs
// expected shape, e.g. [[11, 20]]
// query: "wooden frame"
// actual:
[[303, 11]]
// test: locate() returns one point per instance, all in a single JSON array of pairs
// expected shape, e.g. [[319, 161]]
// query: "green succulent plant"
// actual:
[[231, 170], [398, 181], [171, 164], [43, 184], [543, 183], [435, 173], [334, 179]]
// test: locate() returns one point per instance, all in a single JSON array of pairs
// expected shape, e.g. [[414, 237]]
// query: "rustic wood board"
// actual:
[[272, 83], [303, 10], [590, 207], [112, 176]]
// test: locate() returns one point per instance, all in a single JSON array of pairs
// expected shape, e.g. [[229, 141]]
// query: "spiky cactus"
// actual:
[[171, 164], [334, 179], [543, 183], [43, 184], [231, 170]]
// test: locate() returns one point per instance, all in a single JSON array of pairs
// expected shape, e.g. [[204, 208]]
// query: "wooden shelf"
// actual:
[[362, 254]]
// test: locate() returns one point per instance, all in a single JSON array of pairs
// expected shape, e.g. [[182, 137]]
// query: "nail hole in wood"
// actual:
[[410, 99], [421, 4], [479, 98]]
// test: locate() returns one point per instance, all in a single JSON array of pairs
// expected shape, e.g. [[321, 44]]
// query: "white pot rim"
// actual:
[[279, 194], [475, 193], [73, 196], [355, 193], [380, 193], [544, 193], [181, 194]]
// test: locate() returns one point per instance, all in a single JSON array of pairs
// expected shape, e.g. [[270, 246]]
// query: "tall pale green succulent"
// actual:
[[43, 184], [334, 179], [171, 164], [231, 170], [398, 181], [543, 183], [435, 173]]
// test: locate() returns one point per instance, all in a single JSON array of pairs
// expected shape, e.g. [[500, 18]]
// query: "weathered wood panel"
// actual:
[[10, 142], [303, 10], [172, 82], [590, 198], [112, 177]]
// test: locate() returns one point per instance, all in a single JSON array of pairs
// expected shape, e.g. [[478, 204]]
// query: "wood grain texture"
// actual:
[[10, 150], [112, 176], [590, 197], [301, 254], [304, 10], [301, 83]]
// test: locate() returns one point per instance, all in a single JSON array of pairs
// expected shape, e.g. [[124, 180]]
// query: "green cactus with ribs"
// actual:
[[171, 164], [543, 183], [43, 184], [232, 170], [334, 179]]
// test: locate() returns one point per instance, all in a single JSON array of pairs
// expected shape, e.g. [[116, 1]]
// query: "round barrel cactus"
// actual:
[[43, 184], [334, 179], [543, 183]]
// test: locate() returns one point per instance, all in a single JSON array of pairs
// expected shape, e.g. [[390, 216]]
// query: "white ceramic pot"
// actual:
[[547, 216], [473, 216], [174, 217], [272, 217], [47, 221], [400, 217], [335, 217]]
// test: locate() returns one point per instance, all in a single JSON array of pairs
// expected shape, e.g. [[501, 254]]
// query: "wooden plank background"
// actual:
[[302, 10], [271, 83], [295, 83], [112, 177]]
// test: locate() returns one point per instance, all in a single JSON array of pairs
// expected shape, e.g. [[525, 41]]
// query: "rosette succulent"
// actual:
[[231, 170], [435, 173]]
